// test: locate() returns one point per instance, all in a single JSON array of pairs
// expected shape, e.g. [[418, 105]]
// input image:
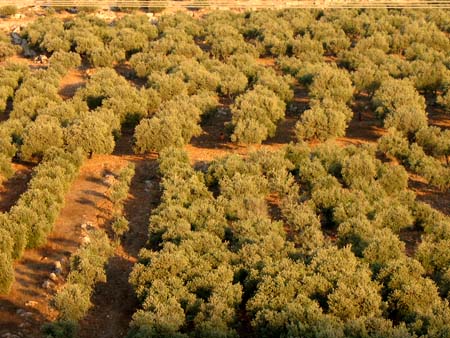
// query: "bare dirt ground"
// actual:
[[114, 301], [70, 83], [11, 189]]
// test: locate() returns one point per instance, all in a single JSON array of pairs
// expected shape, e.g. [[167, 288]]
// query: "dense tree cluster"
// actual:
[[400, 105], [6, 47], [229, 259], [255, 115]]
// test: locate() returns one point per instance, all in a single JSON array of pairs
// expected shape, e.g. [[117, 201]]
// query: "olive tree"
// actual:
[[332, 83], [174, 124], [325, 119], [255, 114], [38, 136], [90, 133]]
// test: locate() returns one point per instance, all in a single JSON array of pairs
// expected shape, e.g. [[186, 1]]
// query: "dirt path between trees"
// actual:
[[27, 307], [115, 301]]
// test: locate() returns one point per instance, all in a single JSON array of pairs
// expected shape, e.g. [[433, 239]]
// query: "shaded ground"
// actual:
[[69, 84], [11, 189], [438, 199]]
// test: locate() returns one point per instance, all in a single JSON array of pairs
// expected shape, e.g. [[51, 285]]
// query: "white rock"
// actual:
[[58, 265], [47, 284], [85, 240], [26, 314], [53, 277], [41, 59], [31, 303], [110, 179]]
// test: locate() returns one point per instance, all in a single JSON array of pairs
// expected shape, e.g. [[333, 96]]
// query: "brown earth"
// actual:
[[11, 189]]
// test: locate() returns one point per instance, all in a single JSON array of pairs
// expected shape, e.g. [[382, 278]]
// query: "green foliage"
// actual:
[[7, 49], [255, 114], [60, 329], [331, 83], [87, 268], [6, 170], [434, 141], [43, 133], [444, 100], [35, 212], [306, 49], [226, 40], [6, 11], [414, 157], [401, 107], [333, 38], [7, 273], [232, 81], [92, 134], [62, 62], [302, 242], [393, 94], [325, 119], [120, 226], [107, 89], [175, 123], [118, 191], [73, 302], [280, 85], [368, 77]]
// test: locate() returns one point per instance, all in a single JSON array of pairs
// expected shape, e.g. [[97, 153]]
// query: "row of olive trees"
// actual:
[[40, 89], [400, 106], [187, 232], [73, 300], [11, 76], [101, 44], [117, 193], [31, 219]]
